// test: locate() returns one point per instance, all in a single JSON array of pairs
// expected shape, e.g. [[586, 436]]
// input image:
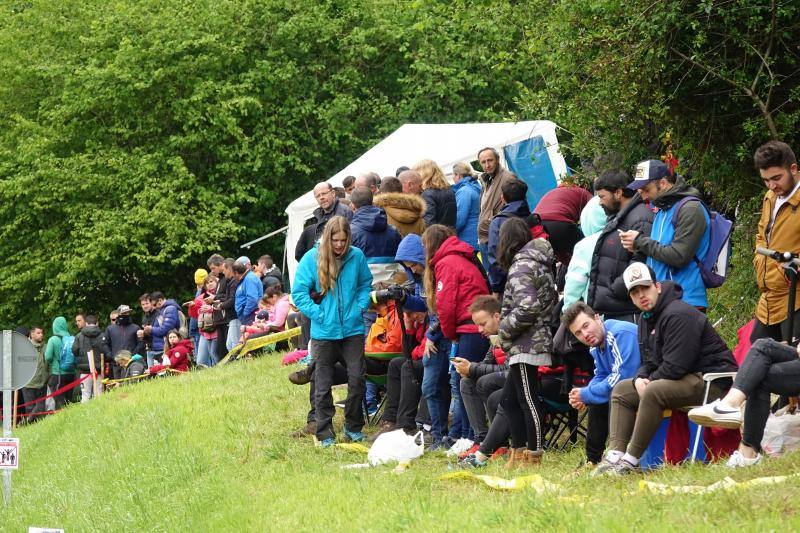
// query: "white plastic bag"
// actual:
[[396, 446], [782, 433]]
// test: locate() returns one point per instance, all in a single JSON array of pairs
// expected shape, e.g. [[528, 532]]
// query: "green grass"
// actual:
[[210, 451]]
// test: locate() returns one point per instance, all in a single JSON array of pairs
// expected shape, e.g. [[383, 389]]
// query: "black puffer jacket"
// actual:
[[607, 294], [489, 365], [440, 207], [675, 339], [90, 338]]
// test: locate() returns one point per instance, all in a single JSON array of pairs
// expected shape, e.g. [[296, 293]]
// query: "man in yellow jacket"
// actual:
[[778, 229]]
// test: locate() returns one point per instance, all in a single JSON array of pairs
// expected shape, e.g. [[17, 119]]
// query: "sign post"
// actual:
[[7, 408], [19, 359]]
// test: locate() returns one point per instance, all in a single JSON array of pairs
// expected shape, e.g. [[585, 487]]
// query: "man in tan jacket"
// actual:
[[492, 180], [778, 229]]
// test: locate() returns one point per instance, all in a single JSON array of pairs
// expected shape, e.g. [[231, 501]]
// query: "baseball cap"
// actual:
[[648, 171], [124, 310], [637, 274]]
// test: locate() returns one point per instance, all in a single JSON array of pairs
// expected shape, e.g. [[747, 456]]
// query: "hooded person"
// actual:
[[576, 284], [403, 211], [59, 342], [89, 340]]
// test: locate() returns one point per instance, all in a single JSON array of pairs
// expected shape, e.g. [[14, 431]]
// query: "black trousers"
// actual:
[[30, 394], [474, 393], [339, 378], [500, 428], [779, 332], [769, 368], [56, 382], [350, 353], [521, 404], [596, 432], [220, 349]]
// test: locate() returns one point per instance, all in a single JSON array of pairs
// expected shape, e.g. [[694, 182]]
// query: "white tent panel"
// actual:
[[447, 144]]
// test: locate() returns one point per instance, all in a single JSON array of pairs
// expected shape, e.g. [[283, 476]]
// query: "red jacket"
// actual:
[[458, 282], [178, 358], [563, 204]]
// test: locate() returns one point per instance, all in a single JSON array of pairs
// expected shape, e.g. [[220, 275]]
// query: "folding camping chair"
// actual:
[[378, 379]]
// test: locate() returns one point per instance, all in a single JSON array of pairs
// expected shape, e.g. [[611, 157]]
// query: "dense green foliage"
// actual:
[[210, 451], [136, 138]]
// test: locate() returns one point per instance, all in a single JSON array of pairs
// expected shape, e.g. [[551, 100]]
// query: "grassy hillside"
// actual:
[[210, 451]]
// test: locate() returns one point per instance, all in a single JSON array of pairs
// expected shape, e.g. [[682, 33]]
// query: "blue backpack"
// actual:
[[715, 265], [66, 361]]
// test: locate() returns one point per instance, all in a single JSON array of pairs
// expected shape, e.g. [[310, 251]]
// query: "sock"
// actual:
[[631, 459], [612, 456]]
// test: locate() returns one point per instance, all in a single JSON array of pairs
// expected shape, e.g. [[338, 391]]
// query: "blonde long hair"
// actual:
[[432, 176], [432, 240], [327, 261]]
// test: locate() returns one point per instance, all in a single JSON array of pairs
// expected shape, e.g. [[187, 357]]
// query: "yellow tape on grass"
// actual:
[[536, 482]]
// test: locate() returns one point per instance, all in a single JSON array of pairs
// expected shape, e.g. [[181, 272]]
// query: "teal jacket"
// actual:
[[52, 353], [338, 315]]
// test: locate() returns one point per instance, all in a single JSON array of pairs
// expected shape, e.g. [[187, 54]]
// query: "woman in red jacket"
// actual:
[[176, 354], [453, 279]]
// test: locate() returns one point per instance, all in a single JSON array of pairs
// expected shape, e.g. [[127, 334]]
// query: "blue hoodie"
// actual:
[[618, 359], [248, 292], [373, 235], [166, 319], [412, 251], [468, 209], [497, 276], [338, 315]]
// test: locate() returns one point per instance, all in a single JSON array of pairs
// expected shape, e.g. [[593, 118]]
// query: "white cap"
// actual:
[[637, 274]]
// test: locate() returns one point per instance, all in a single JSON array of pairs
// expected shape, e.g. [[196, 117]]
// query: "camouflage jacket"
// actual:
[[528, 302]]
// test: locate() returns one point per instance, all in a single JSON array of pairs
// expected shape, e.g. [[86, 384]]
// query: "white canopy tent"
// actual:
[[446, 144]]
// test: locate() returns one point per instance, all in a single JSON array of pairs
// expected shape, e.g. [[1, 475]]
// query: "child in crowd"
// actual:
[[206, 348], [176, 354]]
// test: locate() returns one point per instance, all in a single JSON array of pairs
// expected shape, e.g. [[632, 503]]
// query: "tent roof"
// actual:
[[446, 144]]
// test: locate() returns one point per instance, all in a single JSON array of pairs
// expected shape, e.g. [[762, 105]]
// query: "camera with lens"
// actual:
[[396, 292]]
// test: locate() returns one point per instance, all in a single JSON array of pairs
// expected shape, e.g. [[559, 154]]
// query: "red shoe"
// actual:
[[475, 448], [499, 452]]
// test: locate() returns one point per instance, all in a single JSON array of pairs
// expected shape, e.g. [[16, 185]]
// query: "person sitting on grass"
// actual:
[[678, 345], [132, 366], [176, 354], [615, 350], [770, 367]]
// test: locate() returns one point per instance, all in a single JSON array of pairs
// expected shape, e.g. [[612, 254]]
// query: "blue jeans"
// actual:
[[233, 333], [206, 354], [194, 333], [473, 348], [435, 388], [151, 356]]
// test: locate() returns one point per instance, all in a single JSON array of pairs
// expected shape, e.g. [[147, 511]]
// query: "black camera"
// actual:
[[397, 293]]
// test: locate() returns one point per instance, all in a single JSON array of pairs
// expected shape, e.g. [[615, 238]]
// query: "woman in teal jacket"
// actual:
[[331, 287], [52, 355]]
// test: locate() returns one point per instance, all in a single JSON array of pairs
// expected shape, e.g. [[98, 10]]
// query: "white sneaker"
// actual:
[[715, 414], [737, 460], [461, 446]]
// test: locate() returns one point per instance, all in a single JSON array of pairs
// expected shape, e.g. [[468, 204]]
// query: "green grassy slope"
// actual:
[[210, 451]]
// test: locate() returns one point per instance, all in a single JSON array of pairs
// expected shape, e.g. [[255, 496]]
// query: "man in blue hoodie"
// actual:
[[373, 235], [166, 319], [468, 203], [515, 205], [615, 350], [248, 292]]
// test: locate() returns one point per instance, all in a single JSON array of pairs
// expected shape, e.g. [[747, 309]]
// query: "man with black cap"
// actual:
[[678, 345], [122, 335], [680, 232]]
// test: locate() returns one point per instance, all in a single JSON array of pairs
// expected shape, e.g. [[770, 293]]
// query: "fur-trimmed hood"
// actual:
[[405, 208]]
